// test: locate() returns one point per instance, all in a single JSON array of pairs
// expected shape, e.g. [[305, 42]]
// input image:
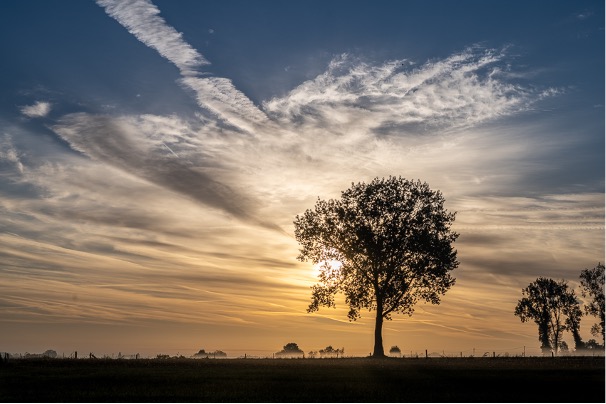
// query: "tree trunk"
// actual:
[[544, 335], [378, 351]]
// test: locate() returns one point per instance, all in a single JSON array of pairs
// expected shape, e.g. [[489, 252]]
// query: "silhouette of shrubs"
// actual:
[[213, 354], [330, 352]]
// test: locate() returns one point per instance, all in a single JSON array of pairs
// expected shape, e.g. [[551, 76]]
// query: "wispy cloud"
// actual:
[[9, 153], [461, 91], [218, 95], [141, 18], [38, 110], [583, 15], [121, 143], [355, 110]]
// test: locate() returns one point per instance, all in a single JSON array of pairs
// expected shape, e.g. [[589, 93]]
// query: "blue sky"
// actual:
[[153, 156]]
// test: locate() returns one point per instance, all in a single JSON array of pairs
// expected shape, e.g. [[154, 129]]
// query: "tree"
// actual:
[[384, 245], [593, 344], [395, 351], [290, 350], [547, 303], [50, 353], [573, 324], [331, 352], [214, 354], [592, 286]]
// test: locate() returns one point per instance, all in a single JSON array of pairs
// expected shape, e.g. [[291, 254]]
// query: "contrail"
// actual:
[[170, 150]]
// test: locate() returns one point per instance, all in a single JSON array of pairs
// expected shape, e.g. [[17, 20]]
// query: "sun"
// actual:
[[330, 265]]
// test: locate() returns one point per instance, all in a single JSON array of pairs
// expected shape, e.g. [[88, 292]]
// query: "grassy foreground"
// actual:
[[565, 379]]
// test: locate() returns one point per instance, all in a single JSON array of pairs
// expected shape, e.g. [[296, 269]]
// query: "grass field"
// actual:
[[564, 379]]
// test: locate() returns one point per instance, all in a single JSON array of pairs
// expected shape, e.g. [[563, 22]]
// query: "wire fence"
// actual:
[[475, 352]]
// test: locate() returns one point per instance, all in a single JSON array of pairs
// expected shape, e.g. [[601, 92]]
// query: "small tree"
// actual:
[[593, 344], [385, 245], [331, 352], [547, 303], [395, 351], [592, 286], [290, 350]]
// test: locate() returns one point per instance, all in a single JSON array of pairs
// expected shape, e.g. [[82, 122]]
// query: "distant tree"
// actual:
[[385, 245], [214, 354], [395, 351], [50, 354], [290, 350], [592, 286], [331, 352], [546, 302], [593, 344]]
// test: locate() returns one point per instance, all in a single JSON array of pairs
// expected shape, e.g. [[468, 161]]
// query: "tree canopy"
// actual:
[[384, 245], [553, 306], [592, 286]]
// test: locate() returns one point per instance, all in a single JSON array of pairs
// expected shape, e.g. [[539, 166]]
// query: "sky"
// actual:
[[154, 154]]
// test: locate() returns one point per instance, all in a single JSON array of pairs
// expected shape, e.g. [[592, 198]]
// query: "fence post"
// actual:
[[426, 354]]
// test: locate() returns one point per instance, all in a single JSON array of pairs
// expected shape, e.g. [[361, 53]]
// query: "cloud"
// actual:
[[38, 110], [141, 18], [583, 15], [123, 143], [459, 92], [9, 153], [221, 97]]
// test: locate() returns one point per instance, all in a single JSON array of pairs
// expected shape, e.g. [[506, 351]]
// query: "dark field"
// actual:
[[565, 379]]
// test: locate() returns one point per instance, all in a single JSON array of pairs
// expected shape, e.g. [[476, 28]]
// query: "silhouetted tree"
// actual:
[[50, 353], [289, 350], [331, 352], [546, 302], [395, 351], [385, 245], [592, 286], [593, 344], [213, 354], [573, 324]]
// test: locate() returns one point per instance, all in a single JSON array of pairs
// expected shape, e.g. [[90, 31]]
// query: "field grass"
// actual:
[[564, 379]]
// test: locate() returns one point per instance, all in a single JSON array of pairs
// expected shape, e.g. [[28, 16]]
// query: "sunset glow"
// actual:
[[154, 154]]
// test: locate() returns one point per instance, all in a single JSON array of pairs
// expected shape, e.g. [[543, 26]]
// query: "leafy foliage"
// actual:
[[553, 306], [384, 245], [592, 286]]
